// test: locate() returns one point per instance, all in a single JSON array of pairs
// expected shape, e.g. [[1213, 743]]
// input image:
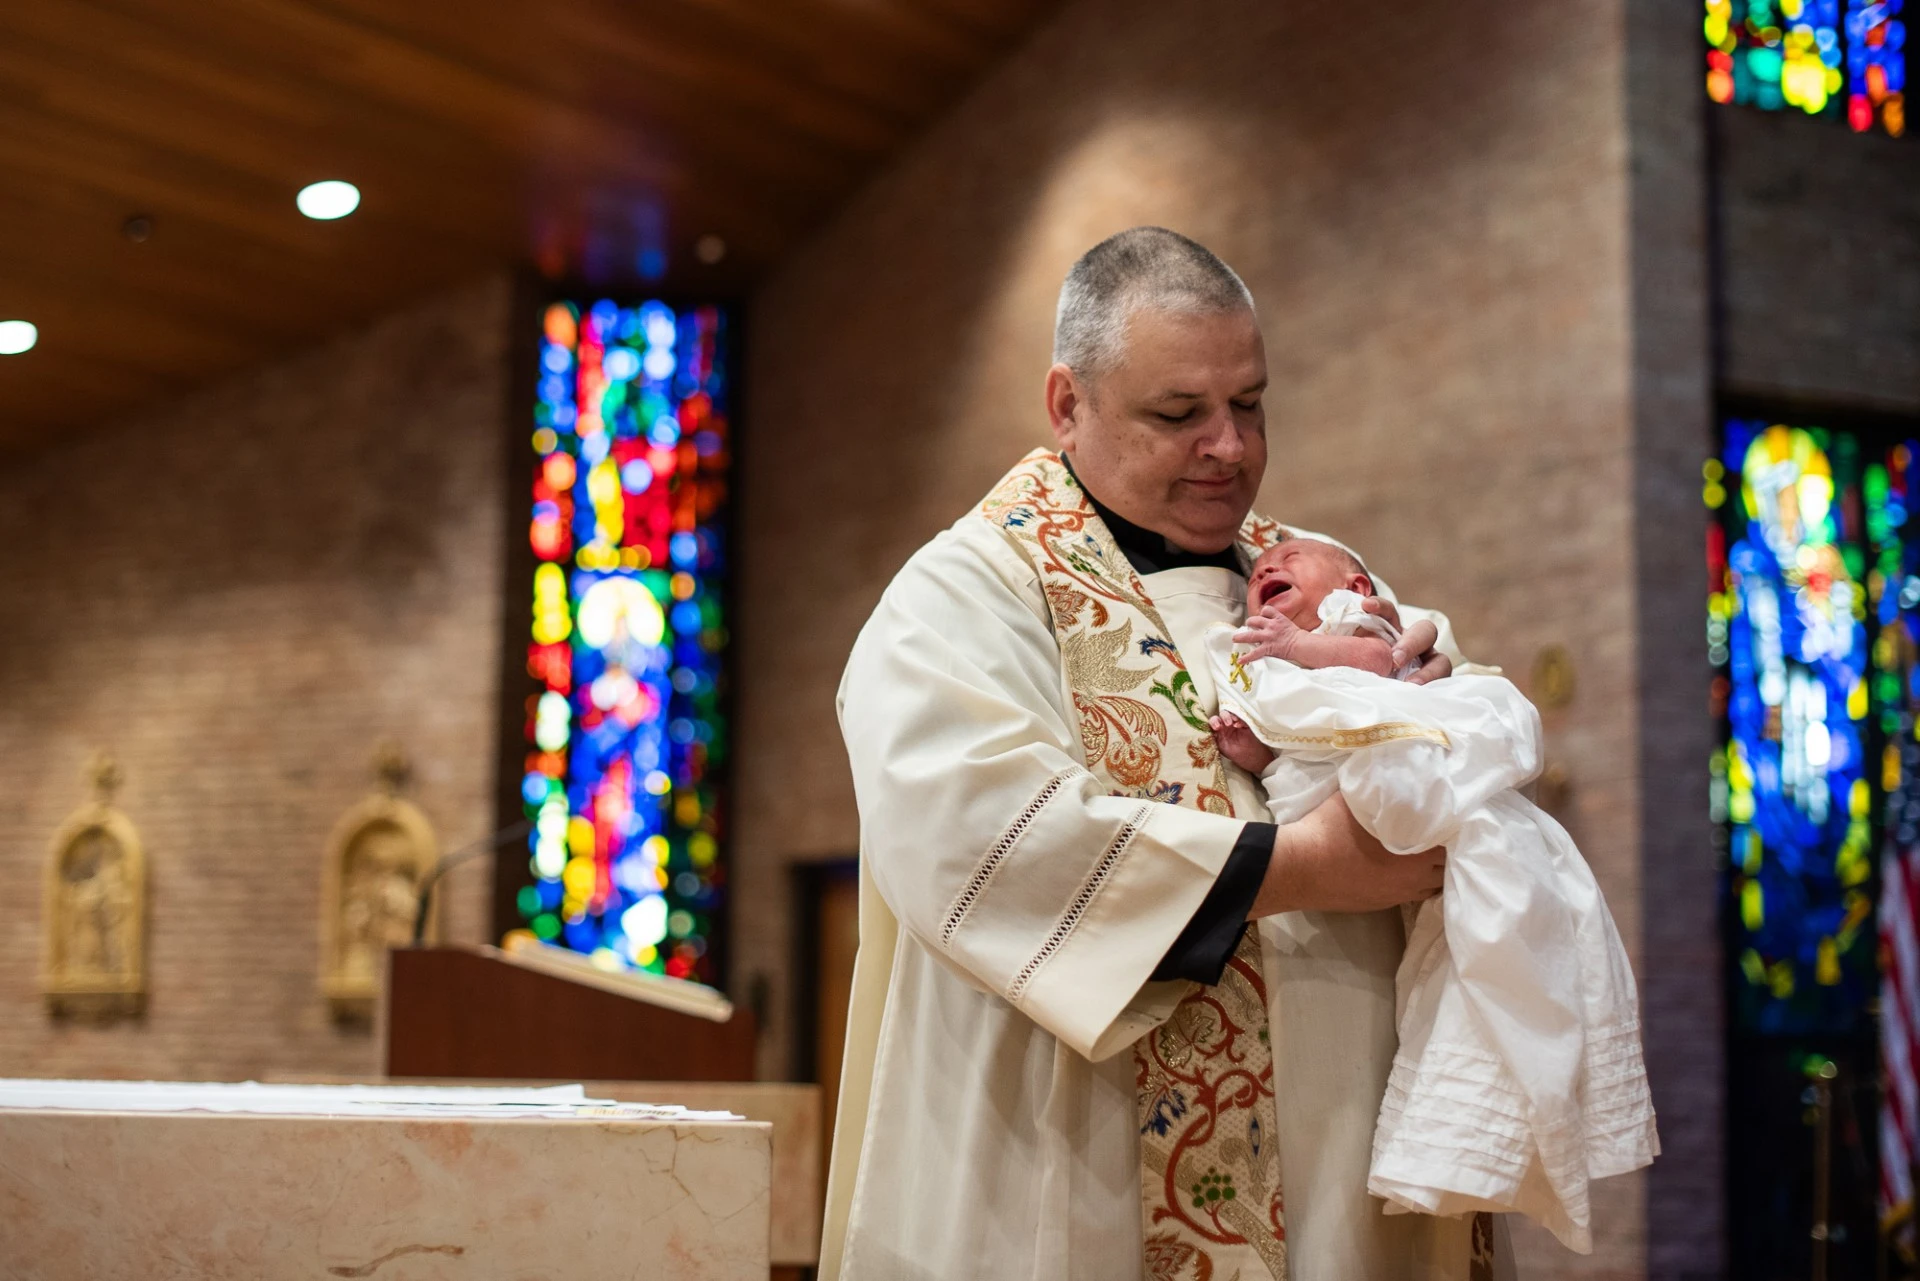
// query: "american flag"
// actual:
[[1899, 1033], [1900, 1010]]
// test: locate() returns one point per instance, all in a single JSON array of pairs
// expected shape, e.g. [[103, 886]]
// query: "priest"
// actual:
[[1108, 1021]]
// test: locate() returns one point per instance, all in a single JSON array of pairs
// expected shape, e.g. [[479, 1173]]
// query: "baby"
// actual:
[[1304, 605], [1518, 1078]]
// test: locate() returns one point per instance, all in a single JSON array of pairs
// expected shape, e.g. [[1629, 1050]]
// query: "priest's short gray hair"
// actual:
[[1140, 267]]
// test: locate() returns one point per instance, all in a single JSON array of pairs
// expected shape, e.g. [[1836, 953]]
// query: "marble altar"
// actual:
[[799, 1151], [408, 1197], [793, 1109]]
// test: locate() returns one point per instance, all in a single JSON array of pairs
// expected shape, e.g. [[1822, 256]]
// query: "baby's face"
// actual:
[[1296, 576]]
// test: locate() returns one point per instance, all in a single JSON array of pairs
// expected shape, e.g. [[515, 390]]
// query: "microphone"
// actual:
[[465, 854]]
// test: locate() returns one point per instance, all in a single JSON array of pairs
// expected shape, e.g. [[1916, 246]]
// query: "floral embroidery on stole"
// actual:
[[1210, 1171]]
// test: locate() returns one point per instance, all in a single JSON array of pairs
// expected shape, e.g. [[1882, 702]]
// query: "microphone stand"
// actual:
[[465, 854], [1820, 1095]]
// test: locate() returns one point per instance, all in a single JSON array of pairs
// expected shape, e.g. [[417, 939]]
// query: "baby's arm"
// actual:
[[1275, 636], [1238, 744], [1368, 653]]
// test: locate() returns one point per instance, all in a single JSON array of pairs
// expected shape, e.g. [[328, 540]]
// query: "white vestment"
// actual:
[[986, 1124], [1519, 1075]]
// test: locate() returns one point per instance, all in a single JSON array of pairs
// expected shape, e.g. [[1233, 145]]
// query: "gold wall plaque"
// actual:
[[95, 909], [1553, 681], [379, 853]]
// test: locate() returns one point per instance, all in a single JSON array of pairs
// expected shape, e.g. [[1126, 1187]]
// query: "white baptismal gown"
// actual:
[[1519, 1075]]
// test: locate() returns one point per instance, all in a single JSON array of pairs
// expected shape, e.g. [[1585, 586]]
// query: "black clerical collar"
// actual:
[[1146, 551]]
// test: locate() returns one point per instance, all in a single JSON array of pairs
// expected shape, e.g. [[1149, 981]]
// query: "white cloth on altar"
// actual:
[[1519, 1075], [986, 1124]]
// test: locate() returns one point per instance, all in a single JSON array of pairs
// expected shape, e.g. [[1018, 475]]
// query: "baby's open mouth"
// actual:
[[1274, 587]]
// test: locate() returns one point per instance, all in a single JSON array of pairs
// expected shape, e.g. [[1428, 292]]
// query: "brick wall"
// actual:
[[1432, 207], [1679, 961], [239, 596], [1818, 263]]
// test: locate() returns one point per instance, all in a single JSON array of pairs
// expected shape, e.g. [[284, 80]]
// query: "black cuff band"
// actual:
[[1206, 945]]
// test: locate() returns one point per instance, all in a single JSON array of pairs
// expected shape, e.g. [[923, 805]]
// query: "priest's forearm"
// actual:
[[1327, 862]]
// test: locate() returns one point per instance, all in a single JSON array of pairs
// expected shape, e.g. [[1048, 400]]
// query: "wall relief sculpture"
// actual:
[[95, 909], [380, 852]]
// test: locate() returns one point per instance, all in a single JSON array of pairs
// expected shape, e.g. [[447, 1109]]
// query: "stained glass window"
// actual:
[[1789, 600], [1813, 610], [1838, 58], [625, 735], [1775, 53], [1876, 66]]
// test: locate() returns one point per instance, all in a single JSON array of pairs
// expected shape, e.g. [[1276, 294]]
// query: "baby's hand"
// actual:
[[1271, 633], [1238, 744]]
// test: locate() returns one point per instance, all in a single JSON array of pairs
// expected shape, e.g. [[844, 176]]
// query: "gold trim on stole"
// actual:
[[1210, 1174]]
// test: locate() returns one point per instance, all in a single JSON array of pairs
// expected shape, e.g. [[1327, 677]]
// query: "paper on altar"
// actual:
[[255, 1098]]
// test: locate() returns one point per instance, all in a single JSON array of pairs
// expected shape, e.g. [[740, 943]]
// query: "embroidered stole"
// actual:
[[1210, 1171]]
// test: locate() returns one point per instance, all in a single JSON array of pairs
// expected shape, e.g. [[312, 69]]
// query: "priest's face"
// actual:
[[1174, 437]]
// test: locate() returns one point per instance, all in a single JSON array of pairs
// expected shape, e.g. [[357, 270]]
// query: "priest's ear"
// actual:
[[1066, 404]]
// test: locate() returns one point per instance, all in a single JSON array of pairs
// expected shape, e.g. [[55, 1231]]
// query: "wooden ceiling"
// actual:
[[595, 139]]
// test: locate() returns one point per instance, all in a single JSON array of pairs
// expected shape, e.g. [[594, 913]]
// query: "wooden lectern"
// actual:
[[543, 1013]]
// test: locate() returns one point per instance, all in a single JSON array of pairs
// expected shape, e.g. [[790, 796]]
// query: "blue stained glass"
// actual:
[[622, 364], [1787, 612], [1876, 66]]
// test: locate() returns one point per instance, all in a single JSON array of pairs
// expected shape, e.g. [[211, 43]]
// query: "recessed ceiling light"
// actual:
[[328, 200], [17, 336]]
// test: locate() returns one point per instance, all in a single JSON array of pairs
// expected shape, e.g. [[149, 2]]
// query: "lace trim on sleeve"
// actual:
[[1082, 899], [964, 901]]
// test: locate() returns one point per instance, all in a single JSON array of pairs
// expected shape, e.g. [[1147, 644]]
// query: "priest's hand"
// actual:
[[1415, 642], [1327, 862]]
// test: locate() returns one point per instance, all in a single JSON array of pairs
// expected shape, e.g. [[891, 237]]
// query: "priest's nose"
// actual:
[[1221, 439]]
